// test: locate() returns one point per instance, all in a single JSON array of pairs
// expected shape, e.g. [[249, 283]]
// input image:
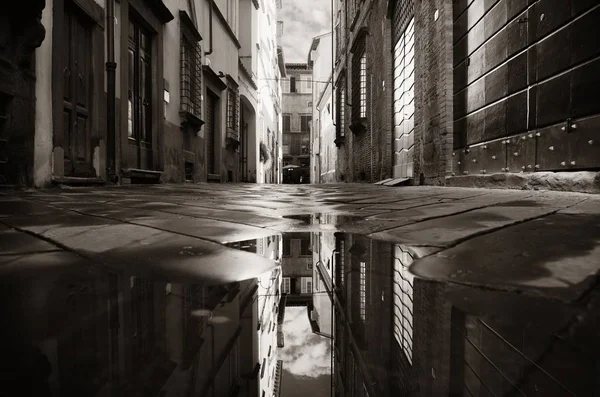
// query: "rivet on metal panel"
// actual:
[[458, 162], [454, 154], [484, 147], [537, 166], [474, 160], [563, 163], [483, 171], [467, 150], [531, 135], [504, 142], [503, 169], [563, 128], [572, 162], [507, 169], [523, 137], [529, 166], [515, 154], [493, 157], [523, 167], [573, 126], [591, 142], [538, 134], [551, 148]]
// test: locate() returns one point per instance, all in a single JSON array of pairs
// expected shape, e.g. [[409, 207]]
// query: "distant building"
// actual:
[[323, 150], [297, 119]]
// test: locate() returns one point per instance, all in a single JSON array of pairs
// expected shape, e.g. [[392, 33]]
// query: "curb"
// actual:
[[581, 182]]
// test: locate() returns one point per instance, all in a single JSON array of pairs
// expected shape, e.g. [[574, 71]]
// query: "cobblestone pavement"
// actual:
[[538, 242]]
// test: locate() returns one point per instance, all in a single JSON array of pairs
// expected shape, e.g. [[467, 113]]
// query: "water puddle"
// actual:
[[336, 314]]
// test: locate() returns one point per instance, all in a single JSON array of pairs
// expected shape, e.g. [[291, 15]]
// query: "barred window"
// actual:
[[233, 109], [363, 291], [341, 108], [363, 85], [191, 67], [359, 82]]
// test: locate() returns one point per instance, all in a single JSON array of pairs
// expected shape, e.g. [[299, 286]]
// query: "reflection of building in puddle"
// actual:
[[103, 333]]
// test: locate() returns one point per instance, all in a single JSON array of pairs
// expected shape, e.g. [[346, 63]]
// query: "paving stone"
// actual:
[[13, 242], [556, 256]]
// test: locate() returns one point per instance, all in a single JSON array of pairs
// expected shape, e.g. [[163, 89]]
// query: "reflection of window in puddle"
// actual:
[[403, 301]]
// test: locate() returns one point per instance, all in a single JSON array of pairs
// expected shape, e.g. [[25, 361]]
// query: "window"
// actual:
[[140, 84], [363, 85], [308, 84], [287, 140], [287, 122], [305, 122], [306, 285], [305, 144], [286, 285], [359, 83], [305, 247], [286, 86], [309, 266], [292, 84], [191, 67], [287, 247], [363, 291], [233, 108], [262, 370], [341, 109]]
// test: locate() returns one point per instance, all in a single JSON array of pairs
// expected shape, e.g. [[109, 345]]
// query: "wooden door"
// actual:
[[139, 106], [211, 100], [77, 93]]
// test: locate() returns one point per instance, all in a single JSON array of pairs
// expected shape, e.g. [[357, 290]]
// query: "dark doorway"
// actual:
[[211, 103], [139, 123], [77, 81]]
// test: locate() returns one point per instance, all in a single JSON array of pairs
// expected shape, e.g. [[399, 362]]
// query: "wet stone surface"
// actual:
[[182, 290]]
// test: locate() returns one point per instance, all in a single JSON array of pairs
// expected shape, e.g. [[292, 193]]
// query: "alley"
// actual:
[[482, 252]]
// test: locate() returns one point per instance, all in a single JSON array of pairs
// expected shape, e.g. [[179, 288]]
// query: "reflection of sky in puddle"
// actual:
[[305, 354]]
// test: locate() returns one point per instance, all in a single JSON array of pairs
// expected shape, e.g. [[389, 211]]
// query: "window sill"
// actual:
[[189, 119], [359, 127]]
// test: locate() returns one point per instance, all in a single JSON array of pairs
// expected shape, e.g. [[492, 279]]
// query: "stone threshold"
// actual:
[[580, 181]]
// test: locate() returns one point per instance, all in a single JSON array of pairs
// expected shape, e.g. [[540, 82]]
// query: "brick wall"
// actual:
[[433, 91]]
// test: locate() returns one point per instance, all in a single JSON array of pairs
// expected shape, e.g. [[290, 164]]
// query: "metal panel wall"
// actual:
[[526, 73]]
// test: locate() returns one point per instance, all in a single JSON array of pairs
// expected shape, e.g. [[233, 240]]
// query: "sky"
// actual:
[[306, 357], [303, 20]]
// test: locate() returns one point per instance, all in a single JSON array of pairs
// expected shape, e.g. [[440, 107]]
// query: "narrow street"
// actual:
[[511, 276]]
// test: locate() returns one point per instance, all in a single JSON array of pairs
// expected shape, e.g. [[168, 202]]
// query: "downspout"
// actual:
[[347, 82], [111, 67], [210, 27], [332, 68], [371, 124]]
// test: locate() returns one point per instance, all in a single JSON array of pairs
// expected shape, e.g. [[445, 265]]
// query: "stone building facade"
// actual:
[[297, 117], [436, 92], [166, 92]]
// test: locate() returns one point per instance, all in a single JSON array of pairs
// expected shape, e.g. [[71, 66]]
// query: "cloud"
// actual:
[[305, 354], [303, 20]]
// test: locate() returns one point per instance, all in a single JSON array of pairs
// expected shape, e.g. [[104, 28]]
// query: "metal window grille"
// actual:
[[403, 301], [191, 73], [363, 85], [363, 291], [233, 109], [341, 109]]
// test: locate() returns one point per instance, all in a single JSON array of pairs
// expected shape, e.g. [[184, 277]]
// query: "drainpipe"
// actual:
[[332, 68], [371, 124], [210, 27], [348, 72], [111, 67]]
